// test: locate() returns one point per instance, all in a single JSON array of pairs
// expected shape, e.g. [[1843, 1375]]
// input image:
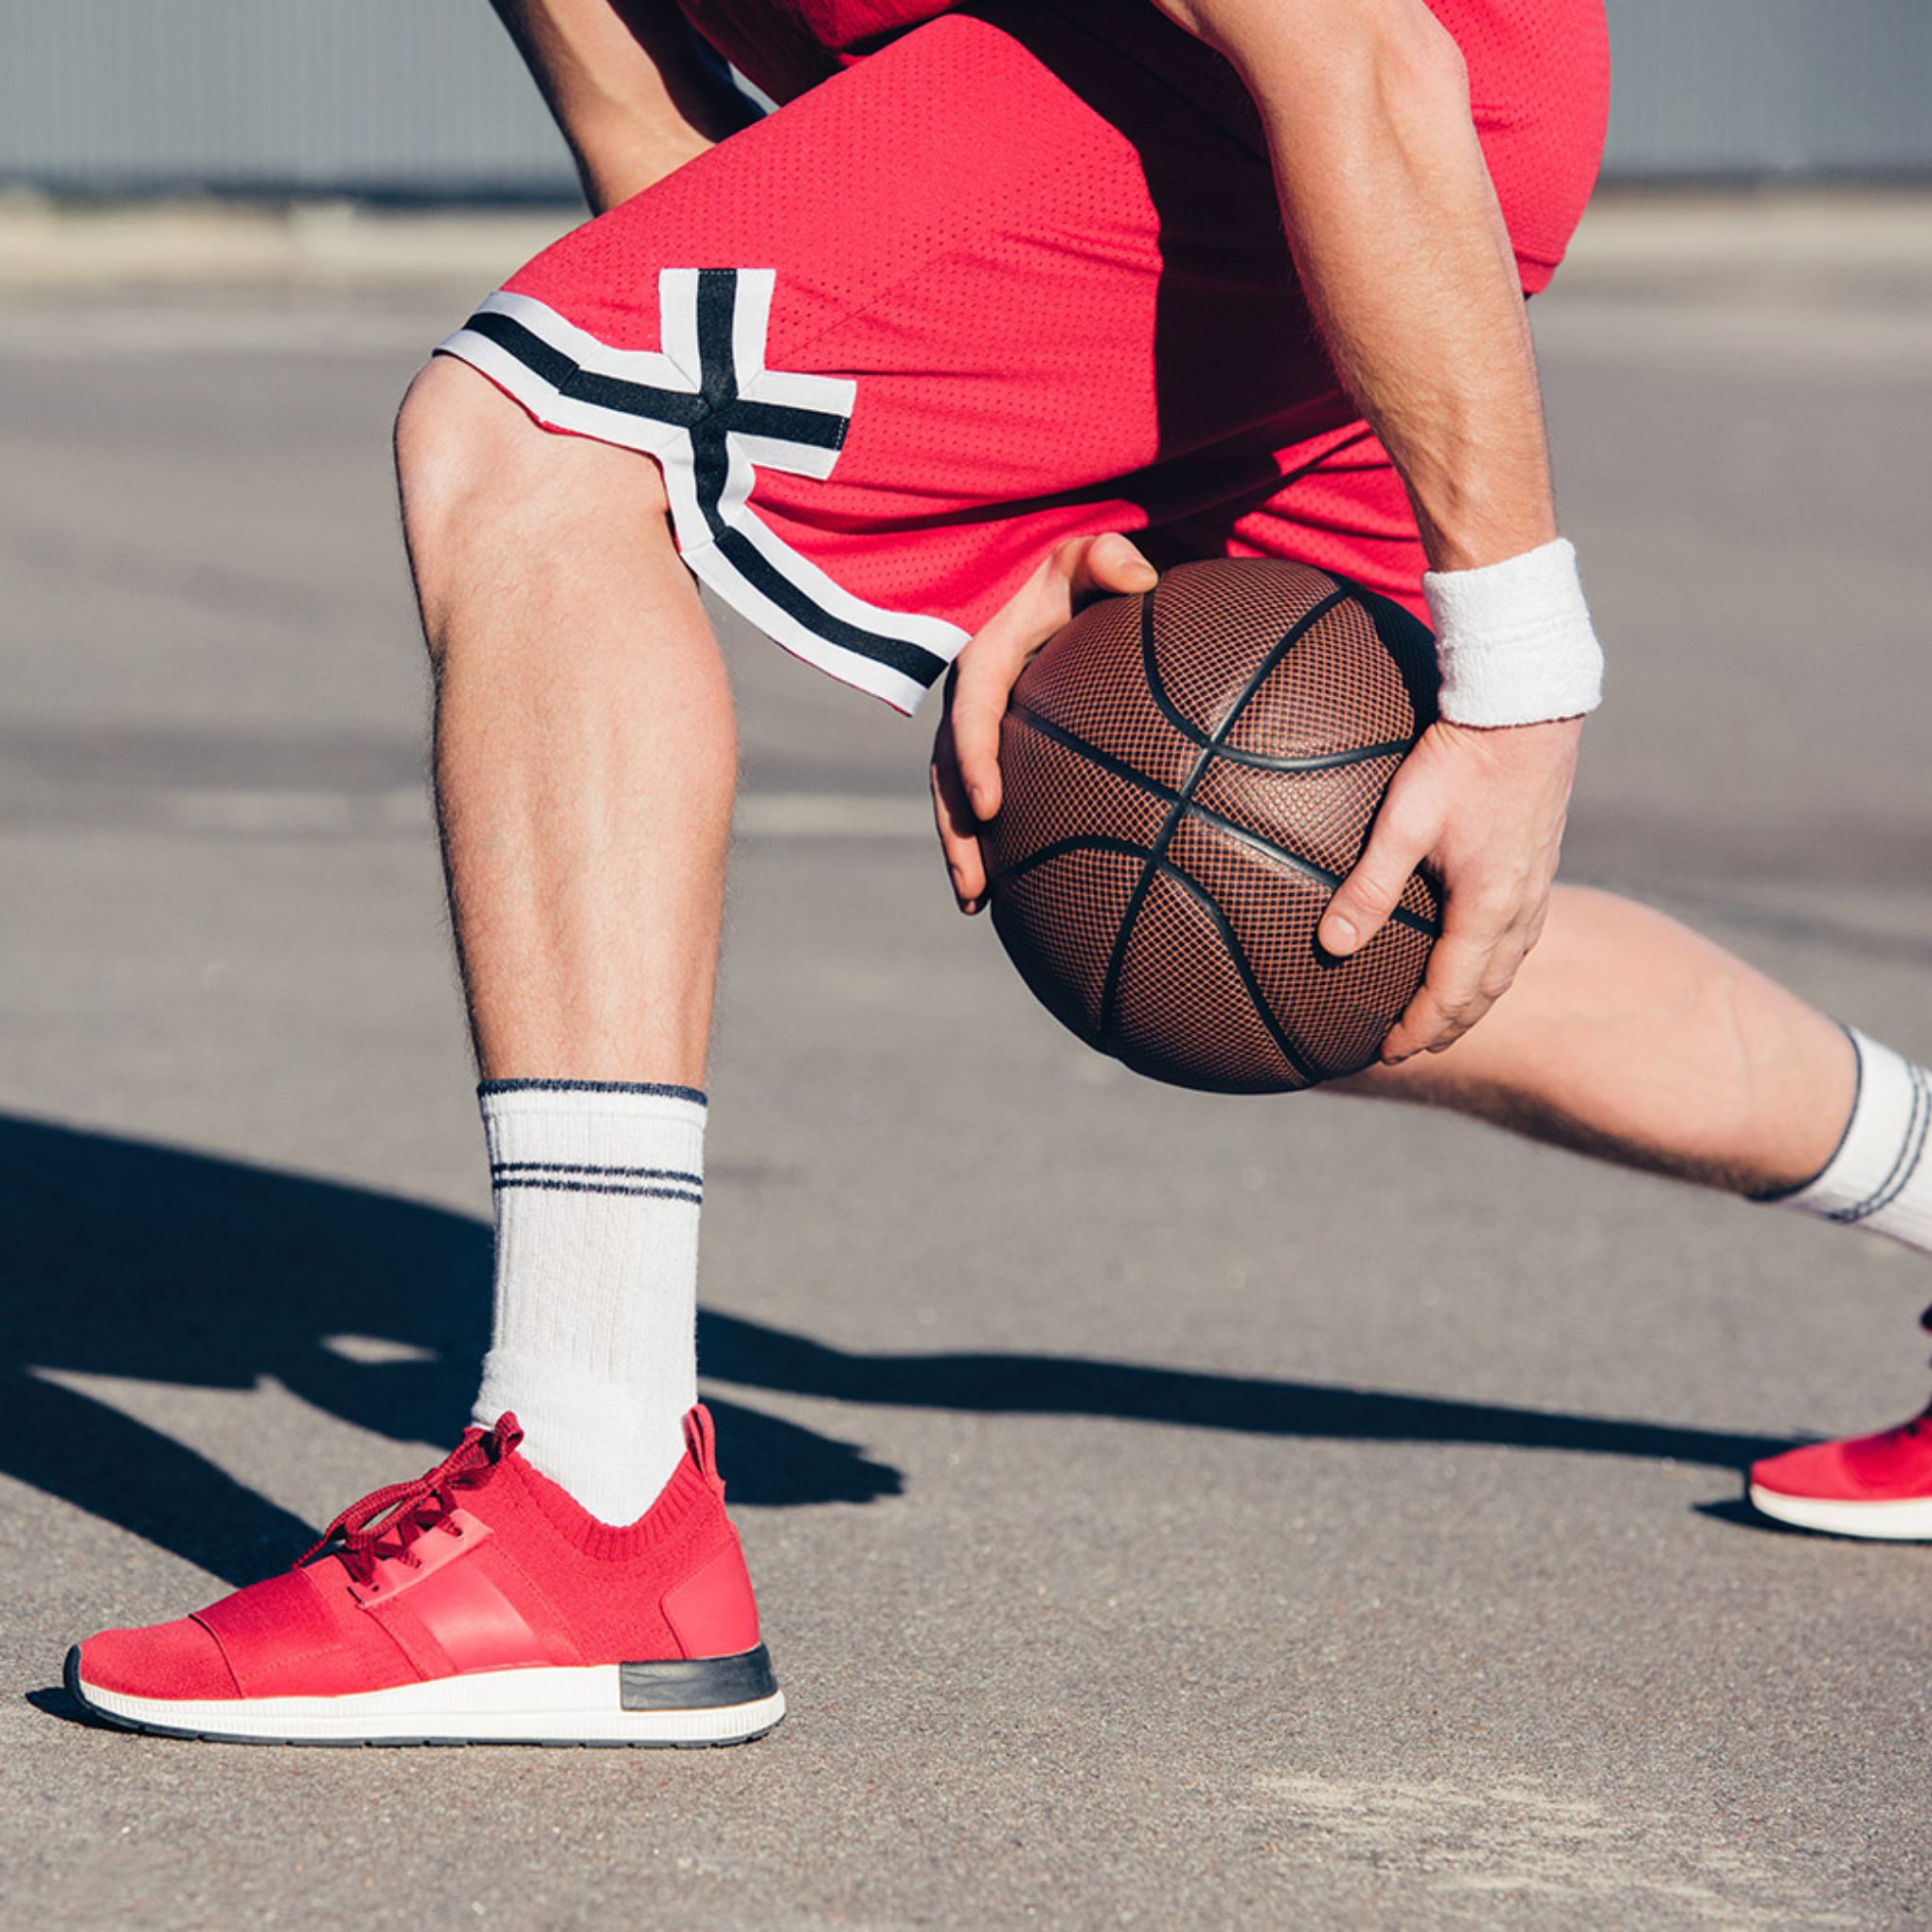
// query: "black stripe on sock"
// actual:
[[572, 1167], [660, 1089], [684, 1194], [1906, 1162]]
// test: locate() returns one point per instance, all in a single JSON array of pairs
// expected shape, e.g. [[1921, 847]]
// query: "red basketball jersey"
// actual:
[[1011, 275], [1539, 79]]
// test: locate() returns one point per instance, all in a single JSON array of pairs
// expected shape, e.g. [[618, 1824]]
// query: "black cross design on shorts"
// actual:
[[707, 416], [717, 437]]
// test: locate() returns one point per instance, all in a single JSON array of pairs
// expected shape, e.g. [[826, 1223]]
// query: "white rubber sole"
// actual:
[[1902, 1522], [547, 1706]]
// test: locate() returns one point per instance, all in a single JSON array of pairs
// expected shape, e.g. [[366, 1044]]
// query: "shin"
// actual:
[[1628, 1036], [586, 754], [585, 759]]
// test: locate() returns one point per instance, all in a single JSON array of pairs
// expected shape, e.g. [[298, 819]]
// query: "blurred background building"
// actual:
[[425, 100]]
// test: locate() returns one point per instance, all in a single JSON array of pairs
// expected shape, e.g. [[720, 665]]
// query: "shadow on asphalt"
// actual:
[[145, 1262], [1738, 1511], [56, 1700]]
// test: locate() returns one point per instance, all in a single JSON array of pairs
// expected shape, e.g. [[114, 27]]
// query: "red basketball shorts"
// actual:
[[981, 291]]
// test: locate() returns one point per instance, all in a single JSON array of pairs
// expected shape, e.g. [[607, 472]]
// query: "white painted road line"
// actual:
[[760, 815]]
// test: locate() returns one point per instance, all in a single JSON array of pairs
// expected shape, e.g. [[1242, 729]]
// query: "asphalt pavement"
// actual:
[[1165, 1510]]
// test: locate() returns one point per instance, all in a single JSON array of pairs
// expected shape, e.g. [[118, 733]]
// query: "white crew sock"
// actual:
[[1880, 1177], [595, 1340]]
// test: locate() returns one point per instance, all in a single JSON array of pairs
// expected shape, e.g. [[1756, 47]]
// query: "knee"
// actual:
[[465, 451], [454, 434]]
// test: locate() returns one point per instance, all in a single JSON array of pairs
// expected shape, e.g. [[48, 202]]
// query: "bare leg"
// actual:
[[585, 759], [1628, 1036], [585, 751]]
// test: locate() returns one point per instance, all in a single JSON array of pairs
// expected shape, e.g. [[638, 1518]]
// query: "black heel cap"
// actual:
[[698, 1683]]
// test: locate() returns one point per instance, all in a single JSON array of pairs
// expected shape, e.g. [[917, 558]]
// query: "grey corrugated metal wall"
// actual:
[[426, 98], [422, 96], [1770, 86]]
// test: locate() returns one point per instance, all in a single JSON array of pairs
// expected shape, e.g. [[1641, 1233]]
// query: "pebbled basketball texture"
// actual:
[[1187, 778]]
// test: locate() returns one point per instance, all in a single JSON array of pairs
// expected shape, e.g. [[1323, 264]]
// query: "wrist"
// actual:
[[1514, 640]]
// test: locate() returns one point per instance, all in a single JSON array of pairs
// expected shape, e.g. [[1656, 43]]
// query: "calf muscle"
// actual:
[[585, 753], [1630, 1037]]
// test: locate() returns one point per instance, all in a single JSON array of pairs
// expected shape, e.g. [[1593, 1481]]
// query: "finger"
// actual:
[[1108, 565], [1373, 890], [1077, 569], [958, 829], [1453, 1028], [965, 864], [1505, 963], [979, 702], [1446, 996], [1498, 976]]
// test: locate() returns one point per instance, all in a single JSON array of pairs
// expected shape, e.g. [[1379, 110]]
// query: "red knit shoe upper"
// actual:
[[482, 1565], [1894, 1466]]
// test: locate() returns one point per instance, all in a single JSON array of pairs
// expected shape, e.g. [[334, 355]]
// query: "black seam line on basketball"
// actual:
[[1316, 761], [1324, 761], [1103, 842], [572, 1167], [1308, 1069], [1107, 763], [1093, 754], [1399, 915], [566, 375], [1907, 1163], [1234, 754], [1110, 986], [660, 1089], [684, 1194], [1150, 670], [1192, 732], [1085, 842]]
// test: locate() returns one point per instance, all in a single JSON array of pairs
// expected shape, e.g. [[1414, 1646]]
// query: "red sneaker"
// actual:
[[1876, 1486], [478, 1603]]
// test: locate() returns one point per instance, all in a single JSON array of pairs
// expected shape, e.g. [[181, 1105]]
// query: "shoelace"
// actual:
[[387, 1521]]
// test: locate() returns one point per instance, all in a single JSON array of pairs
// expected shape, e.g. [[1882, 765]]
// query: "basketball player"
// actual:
[[995, 312]]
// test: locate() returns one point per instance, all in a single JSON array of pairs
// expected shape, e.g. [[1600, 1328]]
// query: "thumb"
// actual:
[[1109, 562], [1373, 889]]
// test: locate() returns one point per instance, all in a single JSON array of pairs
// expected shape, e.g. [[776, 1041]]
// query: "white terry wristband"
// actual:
[[1513, 639]]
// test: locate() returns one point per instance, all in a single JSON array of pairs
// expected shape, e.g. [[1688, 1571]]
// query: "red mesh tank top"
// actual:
[[1539, 76]]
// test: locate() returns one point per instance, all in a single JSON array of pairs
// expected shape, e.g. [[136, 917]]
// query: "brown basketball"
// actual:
[[1187, 775]]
